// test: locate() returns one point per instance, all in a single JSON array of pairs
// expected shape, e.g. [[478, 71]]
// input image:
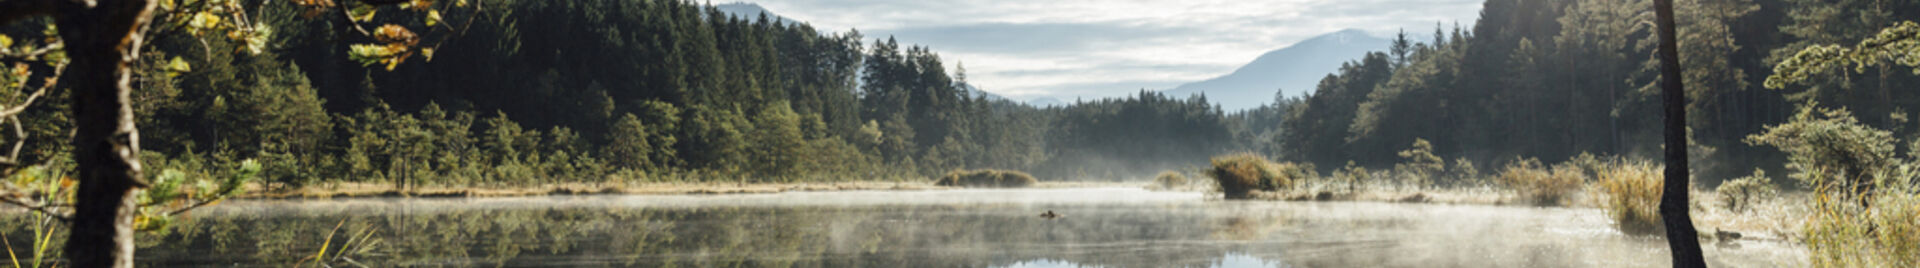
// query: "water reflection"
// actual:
[[984, 228]]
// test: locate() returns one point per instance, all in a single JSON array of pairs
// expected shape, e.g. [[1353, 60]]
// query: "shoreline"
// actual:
[[1778, 223], [370, 190]]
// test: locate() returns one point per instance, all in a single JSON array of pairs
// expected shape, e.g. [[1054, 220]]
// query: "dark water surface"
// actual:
[[1101, 227]]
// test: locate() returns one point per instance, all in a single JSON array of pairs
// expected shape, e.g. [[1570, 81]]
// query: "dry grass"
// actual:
[[1170, 180], [1239, 175], [1844, 233], [1630, 194], [986, 178], [1539, 185]]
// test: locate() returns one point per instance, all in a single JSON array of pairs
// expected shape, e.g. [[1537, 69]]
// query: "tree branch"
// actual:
[[35, 208], [11, 10], [16, 109], [28, 55]]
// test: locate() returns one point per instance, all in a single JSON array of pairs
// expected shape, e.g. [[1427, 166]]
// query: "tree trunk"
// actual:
[[102, 40], [1681, 237]]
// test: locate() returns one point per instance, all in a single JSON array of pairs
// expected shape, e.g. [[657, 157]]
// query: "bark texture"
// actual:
[[103, 37], [1682, 239]]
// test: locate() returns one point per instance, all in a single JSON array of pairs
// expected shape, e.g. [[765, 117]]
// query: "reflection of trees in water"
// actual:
[[430, 232], [886, 236]]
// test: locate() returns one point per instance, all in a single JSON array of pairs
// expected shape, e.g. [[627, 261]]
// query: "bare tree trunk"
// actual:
[[102, 40], [1681, 237]]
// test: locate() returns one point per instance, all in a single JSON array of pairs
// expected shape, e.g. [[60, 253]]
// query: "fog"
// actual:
[[1105, 227]]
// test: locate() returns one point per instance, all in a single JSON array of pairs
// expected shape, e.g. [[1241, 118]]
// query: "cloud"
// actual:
[[1103, 48]]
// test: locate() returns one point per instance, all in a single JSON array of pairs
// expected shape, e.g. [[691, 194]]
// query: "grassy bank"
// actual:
[[1626, 191]]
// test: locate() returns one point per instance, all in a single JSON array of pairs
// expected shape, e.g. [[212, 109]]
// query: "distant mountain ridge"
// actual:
[[751, 11], [1297, 69]]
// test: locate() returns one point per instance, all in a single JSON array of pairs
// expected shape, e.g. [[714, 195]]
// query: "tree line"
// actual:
[[1558, 78], [542, 92]]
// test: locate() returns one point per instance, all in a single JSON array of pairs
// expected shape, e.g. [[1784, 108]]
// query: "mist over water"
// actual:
[[1100, 227]]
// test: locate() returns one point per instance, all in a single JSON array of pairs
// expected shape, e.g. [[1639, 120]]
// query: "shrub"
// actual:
[[1420, 164], [1170, 180], [1830, 149], [1353, 175], [1464, 173], [1739, 194], [1240, 174], [1631, 194], [1539, 185], [986, 178]]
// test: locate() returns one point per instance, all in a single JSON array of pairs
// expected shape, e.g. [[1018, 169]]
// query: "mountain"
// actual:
[[976, 91], [1046, 102], [1297, 69], [751, 11]]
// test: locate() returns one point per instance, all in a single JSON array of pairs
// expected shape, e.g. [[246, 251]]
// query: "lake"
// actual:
[[1098, 227]]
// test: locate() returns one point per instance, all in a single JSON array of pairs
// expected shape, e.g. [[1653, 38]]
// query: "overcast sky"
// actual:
[[1025, 49]]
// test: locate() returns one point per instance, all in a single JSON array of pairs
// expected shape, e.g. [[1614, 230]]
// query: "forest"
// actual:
[[613, 91], [1563, 96], [1558, 78], [680, 91]]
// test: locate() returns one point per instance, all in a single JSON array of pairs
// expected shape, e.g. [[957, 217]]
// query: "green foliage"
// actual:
[[1354, 175], [1464, 173], [1828, 148], [1865, 211], [777, 144], [1741, 194], [1421, 165], [992, 178], [627, 145], [1896, 44]]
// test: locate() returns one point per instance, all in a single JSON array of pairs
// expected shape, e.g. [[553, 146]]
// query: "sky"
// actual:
[[1067, 49]]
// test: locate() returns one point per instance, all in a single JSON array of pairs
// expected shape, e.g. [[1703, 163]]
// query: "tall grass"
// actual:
[[1170, 180], [1631, 196], [1539, 185], [987, 178], [1882, 231]]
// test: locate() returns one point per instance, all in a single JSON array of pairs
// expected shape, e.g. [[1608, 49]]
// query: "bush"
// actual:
[[1353, 175], [1421, 165], [1465, 174], [1537, 184], [1240, 174], [986, 178], [1170, 180], [1632, 196], [1739, 194]]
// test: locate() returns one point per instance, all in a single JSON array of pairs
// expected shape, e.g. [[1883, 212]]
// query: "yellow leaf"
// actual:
[[427, 52], [433, 17], [6, 43], [177, 66], [203, 20], [362, 13], [461, 3]]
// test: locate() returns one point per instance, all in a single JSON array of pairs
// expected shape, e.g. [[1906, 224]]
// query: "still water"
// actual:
[[1099, 227]]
